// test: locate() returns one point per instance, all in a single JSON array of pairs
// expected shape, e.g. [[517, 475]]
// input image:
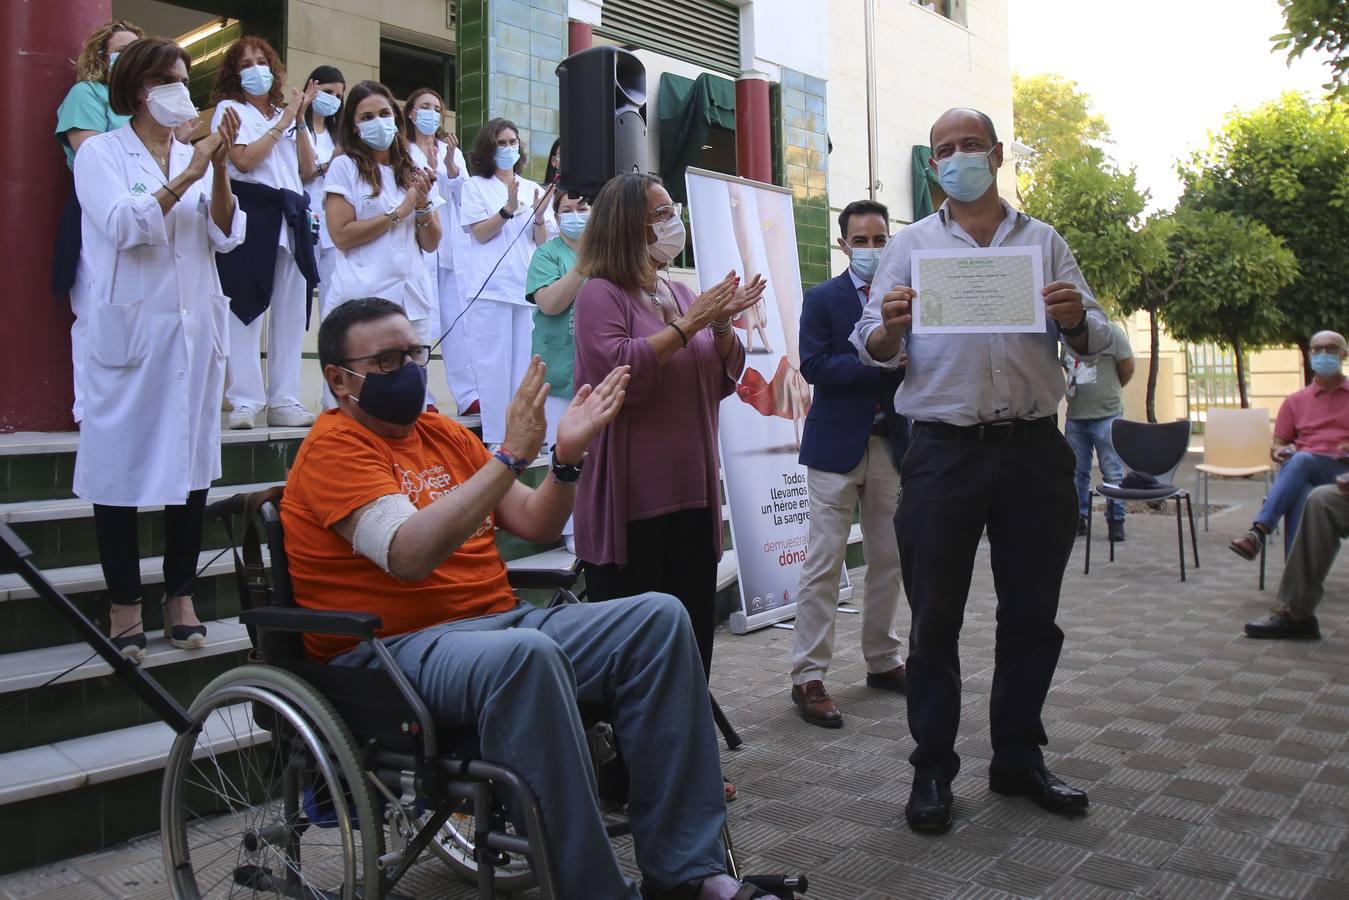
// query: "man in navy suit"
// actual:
[[851, 447]]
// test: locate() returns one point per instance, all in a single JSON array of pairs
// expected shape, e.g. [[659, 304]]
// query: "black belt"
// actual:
[[1000, 432]]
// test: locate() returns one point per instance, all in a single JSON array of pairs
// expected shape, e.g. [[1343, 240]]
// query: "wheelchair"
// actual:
[[304, 780]]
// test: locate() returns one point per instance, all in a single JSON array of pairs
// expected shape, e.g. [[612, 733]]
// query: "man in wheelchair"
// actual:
[[392, 511]]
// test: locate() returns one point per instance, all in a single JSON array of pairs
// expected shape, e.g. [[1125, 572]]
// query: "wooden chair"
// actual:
[[1236, 445]]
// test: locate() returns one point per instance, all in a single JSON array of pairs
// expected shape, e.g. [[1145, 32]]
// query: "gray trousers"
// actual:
[[518, 676], [1325, 523]]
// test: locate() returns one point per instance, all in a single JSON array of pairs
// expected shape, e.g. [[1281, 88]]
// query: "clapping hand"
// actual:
[[525, 420], [227, 131], [746, 295], [707, 308], [513, 199], [215, 147], [451, 144], [590, 410], [541, 204]]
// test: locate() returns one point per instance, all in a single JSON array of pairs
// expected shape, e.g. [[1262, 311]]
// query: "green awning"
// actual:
[[687, 110], [923, 183]]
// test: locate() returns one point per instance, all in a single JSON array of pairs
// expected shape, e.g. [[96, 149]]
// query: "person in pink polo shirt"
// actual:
[[1311, 441]]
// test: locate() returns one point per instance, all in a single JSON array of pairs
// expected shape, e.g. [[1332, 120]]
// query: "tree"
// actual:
[[1159, 271], [1321, 25], [1054, 118], [1286, 166], [1226, 270], [1098, 210]]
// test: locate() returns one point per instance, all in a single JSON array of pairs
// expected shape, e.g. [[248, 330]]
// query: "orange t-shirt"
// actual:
[[341, 467]]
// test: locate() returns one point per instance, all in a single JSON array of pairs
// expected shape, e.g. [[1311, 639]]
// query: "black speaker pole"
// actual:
[[14, 557]]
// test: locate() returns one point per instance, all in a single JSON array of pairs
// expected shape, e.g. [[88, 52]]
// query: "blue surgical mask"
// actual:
[[427, 121], [378, 132], [397, 397], [507, 157], [864, 262], [572, 224], [256, 80], [326, 104], [112, 58], [965, 176], [1327, 365]]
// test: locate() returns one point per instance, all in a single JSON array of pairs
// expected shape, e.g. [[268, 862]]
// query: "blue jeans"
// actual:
[[1086, 435], [517, 676], [1296, 479]]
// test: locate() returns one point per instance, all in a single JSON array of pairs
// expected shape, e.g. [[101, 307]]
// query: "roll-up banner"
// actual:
[[749, 227]]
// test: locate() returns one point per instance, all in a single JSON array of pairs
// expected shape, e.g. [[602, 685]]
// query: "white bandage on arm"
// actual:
[[377, 526]]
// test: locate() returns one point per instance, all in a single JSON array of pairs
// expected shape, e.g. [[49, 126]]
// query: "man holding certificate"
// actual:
[[976, 299]]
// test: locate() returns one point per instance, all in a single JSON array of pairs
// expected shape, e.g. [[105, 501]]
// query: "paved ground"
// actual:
[[1217, 767]]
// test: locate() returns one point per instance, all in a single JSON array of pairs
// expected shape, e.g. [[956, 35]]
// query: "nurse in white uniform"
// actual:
[[383, 213], [322, 122], [507, 217], [155, 213], [439, 151], [273, 149]]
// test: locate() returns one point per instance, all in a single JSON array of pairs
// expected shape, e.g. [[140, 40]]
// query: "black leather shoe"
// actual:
[[1081, 526], [929, 807], [1281, 624], [1040, 787], [1116, 530]]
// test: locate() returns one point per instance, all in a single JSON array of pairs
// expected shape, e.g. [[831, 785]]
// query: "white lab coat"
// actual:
[[158, 331]]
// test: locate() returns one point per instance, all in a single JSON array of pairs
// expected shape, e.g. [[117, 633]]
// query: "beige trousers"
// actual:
[[833, 497]]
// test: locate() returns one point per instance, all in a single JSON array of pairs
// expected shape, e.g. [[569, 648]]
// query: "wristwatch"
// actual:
[[564, 473], [505, 215], [1079, 328]]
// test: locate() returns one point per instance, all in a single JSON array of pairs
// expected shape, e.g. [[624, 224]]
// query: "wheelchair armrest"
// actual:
[[542, 579], [318, 621]]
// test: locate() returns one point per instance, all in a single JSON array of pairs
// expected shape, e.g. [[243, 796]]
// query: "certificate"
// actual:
[[978, 291]]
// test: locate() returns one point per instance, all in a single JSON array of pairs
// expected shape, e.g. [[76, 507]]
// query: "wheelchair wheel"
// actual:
[[455, 846], [266, 796]]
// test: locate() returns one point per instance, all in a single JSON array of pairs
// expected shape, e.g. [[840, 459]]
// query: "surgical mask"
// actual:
[[326, 104], [669, 240], [256, 80], [506, 158], [378, 132], [428, 121], [112, 58], [965, 176], [864, 261], [396, 397], [1327, 365], [572, 224], [170, 104]]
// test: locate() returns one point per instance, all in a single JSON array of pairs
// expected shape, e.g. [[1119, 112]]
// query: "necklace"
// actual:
[[655, 298]]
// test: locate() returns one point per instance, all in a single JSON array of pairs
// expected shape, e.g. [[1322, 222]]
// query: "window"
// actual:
[[703, 32], [403, 68], [952, 9]]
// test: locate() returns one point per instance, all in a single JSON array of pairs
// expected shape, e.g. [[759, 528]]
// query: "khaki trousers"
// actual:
[[1325, 523], [833, 497]]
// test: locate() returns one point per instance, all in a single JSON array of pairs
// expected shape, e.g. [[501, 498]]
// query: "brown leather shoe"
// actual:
[[815, 705], [894, 680], [1248, 545]]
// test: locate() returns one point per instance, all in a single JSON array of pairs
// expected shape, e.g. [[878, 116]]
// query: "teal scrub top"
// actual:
[[554, 336], [85, 108]]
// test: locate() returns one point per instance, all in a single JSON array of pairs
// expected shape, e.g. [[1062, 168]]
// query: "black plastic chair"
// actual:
[[1154, 449]]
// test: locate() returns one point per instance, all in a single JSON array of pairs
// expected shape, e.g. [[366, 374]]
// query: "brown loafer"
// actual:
[[1248, 545], [815, 705], [894, 680]]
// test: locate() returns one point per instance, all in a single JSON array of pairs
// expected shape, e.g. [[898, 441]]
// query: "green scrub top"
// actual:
[[85, 108]]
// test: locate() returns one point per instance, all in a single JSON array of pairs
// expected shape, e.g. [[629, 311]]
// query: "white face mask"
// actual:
[[669, 243], [170, 104]]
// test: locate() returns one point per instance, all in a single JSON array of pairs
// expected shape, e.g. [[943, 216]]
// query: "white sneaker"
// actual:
[[292, 416], [242, 417]]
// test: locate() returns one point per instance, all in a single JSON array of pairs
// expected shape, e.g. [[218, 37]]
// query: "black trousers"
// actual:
[[1020, 492], [119, 548], [671, 554]]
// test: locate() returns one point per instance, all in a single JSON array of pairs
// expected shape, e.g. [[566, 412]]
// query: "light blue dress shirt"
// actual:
[[965, 379]]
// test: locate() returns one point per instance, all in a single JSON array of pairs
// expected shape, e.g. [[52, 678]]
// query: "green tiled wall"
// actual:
[[508, 52], [801, 162]]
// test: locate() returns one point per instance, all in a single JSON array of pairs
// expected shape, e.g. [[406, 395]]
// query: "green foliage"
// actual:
[[1098, 210], [1286, 166], [1053, 118], [1321, 25]]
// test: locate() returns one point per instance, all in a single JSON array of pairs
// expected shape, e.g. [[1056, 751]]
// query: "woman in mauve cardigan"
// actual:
[[648, 512]]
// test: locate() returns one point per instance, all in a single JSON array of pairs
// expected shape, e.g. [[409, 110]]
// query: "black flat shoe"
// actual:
[[132, 646], [1040, 787], [186, 637], [1281, 624], [929, 807]]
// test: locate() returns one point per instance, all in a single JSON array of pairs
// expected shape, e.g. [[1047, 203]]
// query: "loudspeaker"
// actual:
[[602, 93]]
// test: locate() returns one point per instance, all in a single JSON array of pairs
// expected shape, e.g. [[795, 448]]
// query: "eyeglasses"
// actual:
[[392, 360], [1327, 348], [667, 212]]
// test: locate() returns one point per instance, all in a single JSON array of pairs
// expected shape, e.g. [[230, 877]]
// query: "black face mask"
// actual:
[[396, 397]]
